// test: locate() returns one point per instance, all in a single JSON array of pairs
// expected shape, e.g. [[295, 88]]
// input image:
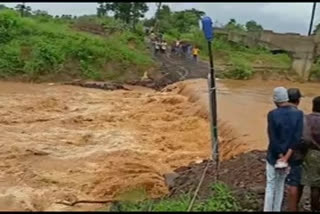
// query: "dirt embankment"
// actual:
[[245, 174]]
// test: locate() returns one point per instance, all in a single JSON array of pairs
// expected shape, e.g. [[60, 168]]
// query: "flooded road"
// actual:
[[63, 142]]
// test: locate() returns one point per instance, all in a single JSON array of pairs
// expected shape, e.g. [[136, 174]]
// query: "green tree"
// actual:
[[187, 19], [232, 22], [23, 9], [129, 12], [65, 16], [175, 23], [317, 29], [138, 11], [232, 25], [41, 13], [252, 26], [198, 13], [2, 7], [149, 22], [157, 17], [164, 17], [101, 9]]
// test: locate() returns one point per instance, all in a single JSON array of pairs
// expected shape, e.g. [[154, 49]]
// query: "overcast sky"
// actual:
[[279, 17]]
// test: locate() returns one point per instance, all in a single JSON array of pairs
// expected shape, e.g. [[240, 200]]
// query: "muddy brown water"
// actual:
[[246, 104], [63, 142]]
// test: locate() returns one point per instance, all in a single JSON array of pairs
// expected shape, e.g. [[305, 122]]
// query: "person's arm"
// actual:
[[286, 157], [298, 134], [306, 135]]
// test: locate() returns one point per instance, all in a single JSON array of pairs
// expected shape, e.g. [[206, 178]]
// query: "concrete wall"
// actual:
[[302, 66]]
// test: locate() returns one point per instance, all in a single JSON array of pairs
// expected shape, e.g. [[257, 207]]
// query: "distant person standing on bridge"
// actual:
[[285, 125], [195, 52]]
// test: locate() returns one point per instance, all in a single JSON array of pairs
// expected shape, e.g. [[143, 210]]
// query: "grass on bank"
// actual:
[[32, 47], [220, 200]]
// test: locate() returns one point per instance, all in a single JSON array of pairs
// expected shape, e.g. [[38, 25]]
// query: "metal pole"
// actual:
[[213, 111], [312, 18]]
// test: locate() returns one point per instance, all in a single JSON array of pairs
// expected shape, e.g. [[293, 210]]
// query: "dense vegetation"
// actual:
[[38, 45]]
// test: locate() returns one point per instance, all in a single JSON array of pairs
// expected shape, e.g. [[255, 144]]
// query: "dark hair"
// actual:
[[294, 95], [316, 104]]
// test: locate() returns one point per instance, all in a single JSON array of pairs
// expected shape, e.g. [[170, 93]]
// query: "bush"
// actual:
[[9, 24], [221, 200], [241, 69]]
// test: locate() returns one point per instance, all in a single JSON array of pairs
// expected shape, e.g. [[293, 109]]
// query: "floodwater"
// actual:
[[71, 143], [245, 104], [67, 143]]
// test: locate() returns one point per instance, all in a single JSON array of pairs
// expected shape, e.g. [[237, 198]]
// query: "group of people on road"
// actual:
[[293, 156], [185, 49], [178, 48], [158, 43]]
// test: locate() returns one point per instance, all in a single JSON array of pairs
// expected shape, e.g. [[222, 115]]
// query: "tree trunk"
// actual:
[[156, 23], [23, 6]]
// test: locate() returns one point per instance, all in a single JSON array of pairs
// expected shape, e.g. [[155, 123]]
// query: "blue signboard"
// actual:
[[207, 27]]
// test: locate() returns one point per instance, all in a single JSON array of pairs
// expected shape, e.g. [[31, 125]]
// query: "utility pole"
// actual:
[[312, 18], [208, 33]]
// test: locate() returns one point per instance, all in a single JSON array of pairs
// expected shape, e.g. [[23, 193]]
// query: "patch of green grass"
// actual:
[[33, 48], [241, 69], [221, 200]]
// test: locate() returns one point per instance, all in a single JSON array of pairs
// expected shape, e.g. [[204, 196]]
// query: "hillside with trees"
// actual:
[[37, 46]]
